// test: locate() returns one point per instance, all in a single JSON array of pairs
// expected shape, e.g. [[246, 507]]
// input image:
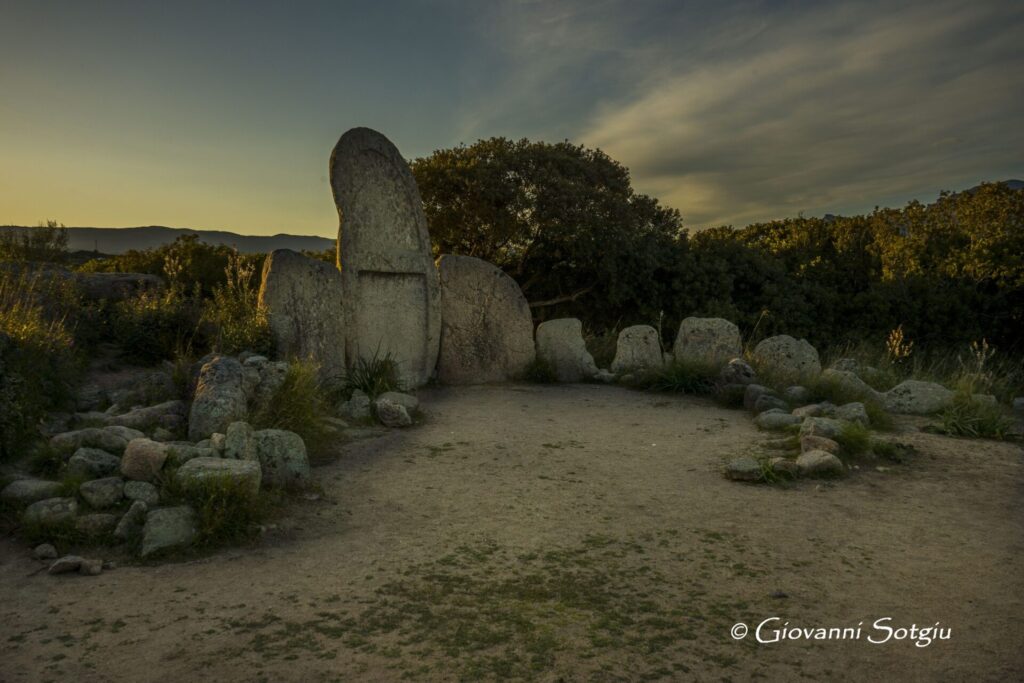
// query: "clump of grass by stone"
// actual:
[[372, 376], [299, 405], [227, 512], [854, 439], [681, 376], [539, 371], [974, 418], [240, 323]]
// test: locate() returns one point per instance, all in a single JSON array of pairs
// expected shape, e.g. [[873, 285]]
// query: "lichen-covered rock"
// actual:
[[200, 472], [821, 426], [357, 407], [737, 371], [168, 528], [44, 551], [753, 393], [143, 459], [26, 491], [142, 490], [744, 468], [51, 512], [219, 400], [707, 340], [96, 524], [823, 409], [66, 564], [91, 463], [304, 302], [102, 493], [637, 348], [766, 402], [168, 415], [408, 401], [819, 464], [180, 452], [914, 397], [238, 442], [129, 527], [282, 457], [126, 433], [90, 437], [775, 420], [818, 443], [797, 395], [785, 357], [853, 412], [486, 324], [392, 414], [560, 344]]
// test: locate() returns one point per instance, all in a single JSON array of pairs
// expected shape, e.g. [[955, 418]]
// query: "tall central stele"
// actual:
[[392, 292]]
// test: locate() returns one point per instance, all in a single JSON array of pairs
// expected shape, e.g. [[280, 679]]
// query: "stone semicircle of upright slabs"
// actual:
[[303, 298], [486, 325], [392, 290]]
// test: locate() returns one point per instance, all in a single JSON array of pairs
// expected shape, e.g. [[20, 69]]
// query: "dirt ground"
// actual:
[[565, 533]]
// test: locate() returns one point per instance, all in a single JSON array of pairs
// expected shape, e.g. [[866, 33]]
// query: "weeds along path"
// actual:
[[571, 533]]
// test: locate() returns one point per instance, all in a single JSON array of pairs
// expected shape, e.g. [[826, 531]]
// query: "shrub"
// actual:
[[299, 405], [154, 326], [239, 323], [48, 242], [854, 439], [227, 512], [679, 376], [39, 361]]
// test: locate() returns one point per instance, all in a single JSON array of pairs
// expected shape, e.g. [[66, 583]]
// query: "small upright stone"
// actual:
[[486, 325], [304, 302], [788, 358], [143, 459], [744, 468], [707, 340], [219, 400], [637, 348], [560, 344], [737, 372]]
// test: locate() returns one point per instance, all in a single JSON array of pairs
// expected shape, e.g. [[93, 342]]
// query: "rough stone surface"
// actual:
[[797, 394], [392, 414], [65, 565], [142, 490], [850, 384], [25, 491], [821, 426], [818, 443], [773, 420], [787, 357], [914, 397], [743, 468], [91, 437], [44, 551], [767, 402], [752, 393], [815, 410], [143, 459], [560, 344], [180, 452], [357, 407], [168, 528], [219, 399], [95, 524], [130, 525], [784, 466], [392, 289], [92, 462], [486, 325], [819, 464], [637, 348], [168, 415], [238, 443], [51, 512], [711, 340], [91, 567], [737, 371], [853, 412], [196, 473], [282, 457], [304, 302], [126, 433], [408, 401], [102, 493]]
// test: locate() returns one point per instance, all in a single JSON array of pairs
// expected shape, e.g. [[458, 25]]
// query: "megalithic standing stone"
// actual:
[[392, 292]]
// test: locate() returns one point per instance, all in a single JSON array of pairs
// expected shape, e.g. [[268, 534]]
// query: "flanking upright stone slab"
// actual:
[[304, 303], [711, 340], [637, 348], [392, 292], [486, 326], [560, 344]]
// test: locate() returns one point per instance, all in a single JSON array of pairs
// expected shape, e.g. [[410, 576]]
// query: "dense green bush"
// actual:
[[155, 326], [238, 322], [48, 242]]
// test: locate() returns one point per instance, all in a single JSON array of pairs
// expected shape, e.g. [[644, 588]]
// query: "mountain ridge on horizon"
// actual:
[[113, 241]]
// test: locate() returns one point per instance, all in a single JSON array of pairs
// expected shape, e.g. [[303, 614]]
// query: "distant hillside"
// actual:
[[120, 240]]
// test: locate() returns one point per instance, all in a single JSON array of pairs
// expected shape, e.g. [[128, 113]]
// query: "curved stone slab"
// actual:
[[304, 303], [392, 291], [486, 325]]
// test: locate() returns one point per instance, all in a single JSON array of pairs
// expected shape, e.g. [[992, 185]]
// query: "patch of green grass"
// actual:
[[44, 461], [854, 439], [975, 419], [539, 371], [227, 512], [680, 376], [69, 485]]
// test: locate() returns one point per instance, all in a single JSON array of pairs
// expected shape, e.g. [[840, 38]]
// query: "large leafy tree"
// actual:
[[563, 220]]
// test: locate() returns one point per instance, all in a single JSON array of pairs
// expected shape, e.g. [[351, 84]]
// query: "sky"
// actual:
[[222, 115]]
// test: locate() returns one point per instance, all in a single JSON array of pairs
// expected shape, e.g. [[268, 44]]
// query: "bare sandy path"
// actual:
[[562, 533]]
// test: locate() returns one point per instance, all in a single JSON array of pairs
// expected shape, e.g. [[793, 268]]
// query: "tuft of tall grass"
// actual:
[[681, 376], [973, 418], [239, 323], [298, 405], [373, 376], [154, 326]]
